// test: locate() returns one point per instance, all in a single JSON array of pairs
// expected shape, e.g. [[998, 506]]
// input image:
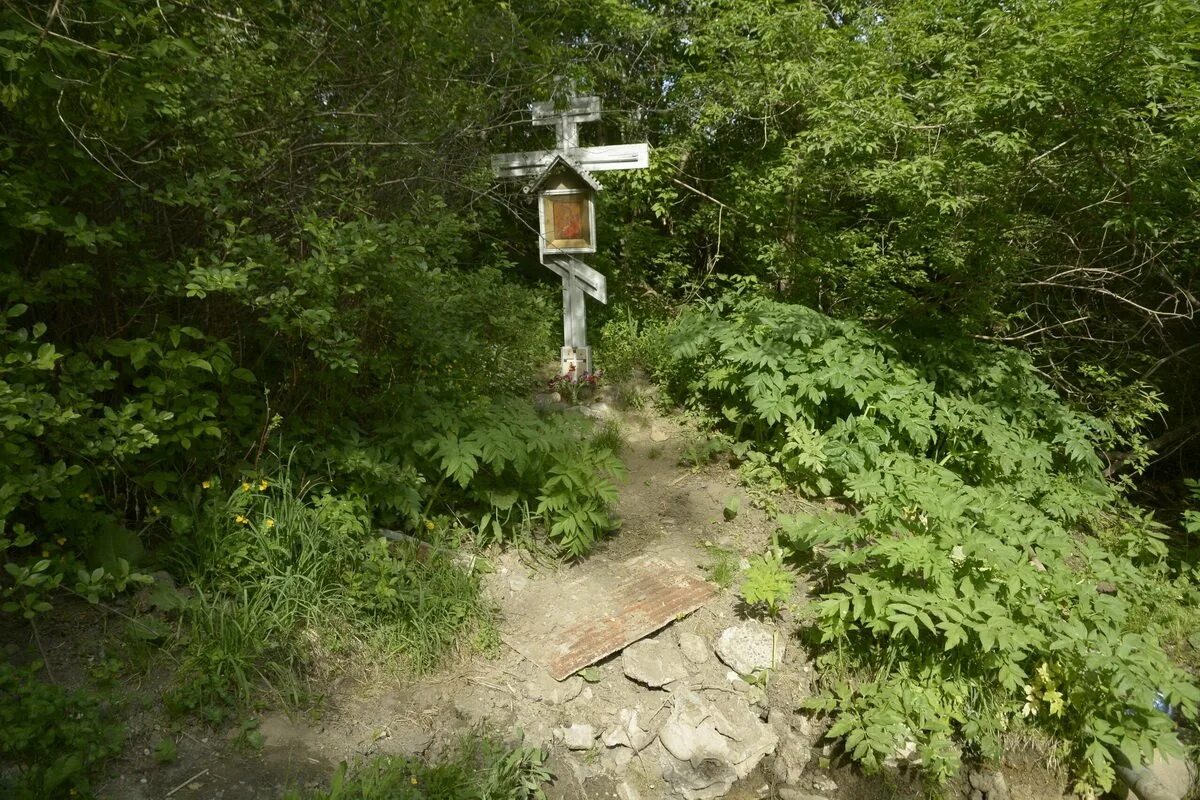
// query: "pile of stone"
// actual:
[[703, 737]]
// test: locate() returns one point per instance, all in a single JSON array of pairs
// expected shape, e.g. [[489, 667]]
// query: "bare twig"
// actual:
[[709, 197], [37, 637], [199, 774]]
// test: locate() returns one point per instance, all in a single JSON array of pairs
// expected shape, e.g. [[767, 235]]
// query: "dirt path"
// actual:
[[670, 511]]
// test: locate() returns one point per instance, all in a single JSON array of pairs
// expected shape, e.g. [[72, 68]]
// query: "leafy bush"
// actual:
[[192, 305], [52, 740], [627, 342], [508, 463], [962, 596], [481, 769], [1191, 517]]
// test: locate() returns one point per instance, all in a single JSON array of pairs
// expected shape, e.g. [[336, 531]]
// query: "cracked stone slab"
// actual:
[[709, 745], [653, 663], [750, 647]]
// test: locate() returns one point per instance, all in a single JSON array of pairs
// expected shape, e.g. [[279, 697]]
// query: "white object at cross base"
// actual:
[[577, 277]]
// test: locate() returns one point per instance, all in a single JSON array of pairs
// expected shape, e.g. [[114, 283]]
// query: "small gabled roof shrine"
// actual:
[[562, 163]]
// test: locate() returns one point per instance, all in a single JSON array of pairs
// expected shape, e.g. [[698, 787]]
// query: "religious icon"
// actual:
[[567, 220]]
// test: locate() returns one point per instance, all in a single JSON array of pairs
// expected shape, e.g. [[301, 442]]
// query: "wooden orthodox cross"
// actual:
[[566, 211]]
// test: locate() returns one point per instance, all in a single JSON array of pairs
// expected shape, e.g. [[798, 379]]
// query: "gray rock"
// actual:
[[576, 737], [616, 759], [543, 687], [906, 756], [693, 647], [653, 663], [597, 410], [824, 784], [750, 647], [709, 745], [628, 732], [791, 758], [986, 784], [1165, 778], [546, 401], [754, 694]]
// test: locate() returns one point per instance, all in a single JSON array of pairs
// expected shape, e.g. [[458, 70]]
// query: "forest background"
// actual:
[[261, 297]]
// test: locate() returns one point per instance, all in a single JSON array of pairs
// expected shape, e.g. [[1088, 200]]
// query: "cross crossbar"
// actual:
[[593, 283], [578, 279], [580, 109], [594, 159]]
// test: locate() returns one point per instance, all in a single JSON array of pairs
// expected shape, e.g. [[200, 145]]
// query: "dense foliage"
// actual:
[[217, 244], [53, 740], [960, 596], [1022, 172], [262, 308], [236, 237]]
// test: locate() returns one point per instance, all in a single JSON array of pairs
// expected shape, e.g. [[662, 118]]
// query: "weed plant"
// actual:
[[627, 343], [988, 576], [608, 436], [481, 768], [768, 583], [722, 567]]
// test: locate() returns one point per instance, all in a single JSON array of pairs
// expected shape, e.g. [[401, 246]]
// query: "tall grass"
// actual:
[[290, 580]]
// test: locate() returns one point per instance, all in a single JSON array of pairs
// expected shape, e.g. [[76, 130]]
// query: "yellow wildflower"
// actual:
[[270, 523], [240, 520], [428, 524], [205, 484], [262, 486], [154, 509], [413, 780], [246, 487], [61, 540]]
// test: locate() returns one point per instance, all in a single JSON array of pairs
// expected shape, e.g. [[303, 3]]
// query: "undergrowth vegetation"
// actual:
[[52, 740], [267, 320], [986, 576], [512, 466], [289, 575], [481, 768]]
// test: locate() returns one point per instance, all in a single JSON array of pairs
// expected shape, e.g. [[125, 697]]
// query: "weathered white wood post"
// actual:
[[565, 189]]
